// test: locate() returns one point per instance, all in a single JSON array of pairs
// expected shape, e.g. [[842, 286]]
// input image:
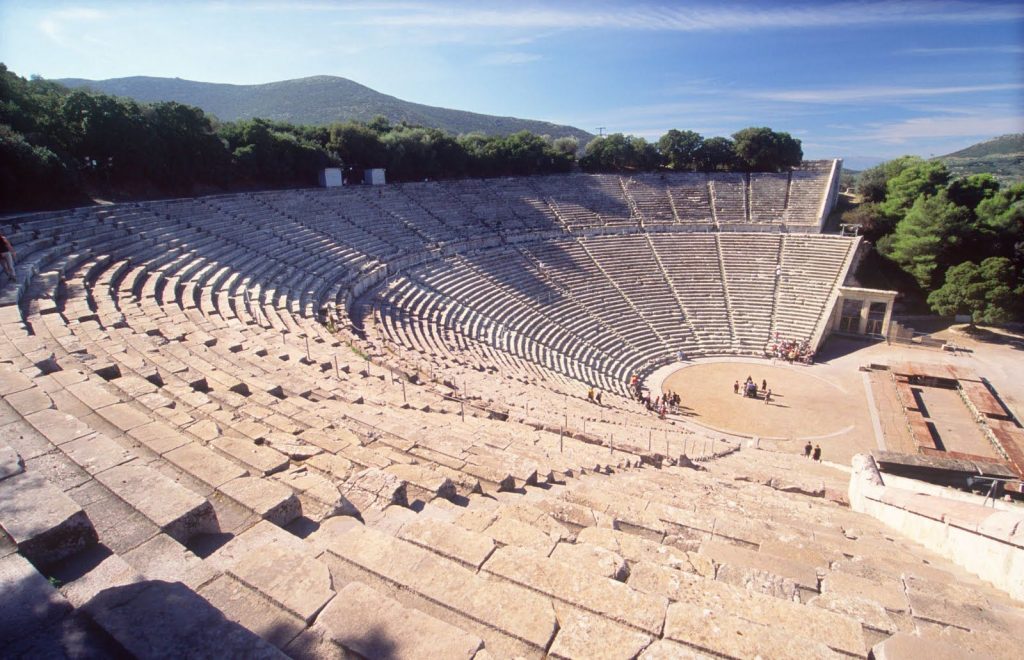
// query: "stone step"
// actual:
[[448, 540], [698, 595], [176, 510], [153, 619], [574, 585], [775, 576], [44, 523], [510, 619], [366, 622]]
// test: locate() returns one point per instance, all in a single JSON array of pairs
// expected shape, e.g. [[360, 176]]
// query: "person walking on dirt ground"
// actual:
[[807, 449], [817, 454]]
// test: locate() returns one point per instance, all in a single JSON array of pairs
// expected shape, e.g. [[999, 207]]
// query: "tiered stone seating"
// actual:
[[768, 196], [178, 425], [729, 198], [807, 270], [808, 187]]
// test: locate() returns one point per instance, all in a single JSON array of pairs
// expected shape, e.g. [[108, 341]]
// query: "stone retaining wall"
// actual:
[[987, 542]]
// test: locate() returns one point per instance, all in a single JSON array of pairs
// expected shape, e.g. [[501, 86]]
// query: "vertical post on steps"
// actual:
[[560, 431], [337, 371], [650, 432], [462, 404], [404, 400]]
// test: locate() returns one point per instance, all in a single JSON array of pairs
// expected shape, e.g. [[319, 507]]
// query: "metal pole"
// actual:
[[559, 439], [308, 358], [337, 371], [650, 432], [403, 392], [463, 405]]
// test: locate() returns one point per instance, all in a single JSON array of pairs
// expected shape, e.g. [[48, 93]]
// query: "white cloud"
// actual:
[[934, 128], [710, 17], [874, 93], [55, 24], [1009, 49], [509, 58]]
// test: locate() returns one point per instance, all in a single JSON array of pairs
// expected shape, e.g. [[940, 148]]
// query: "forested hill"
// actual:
[[317, 100], [1003, 157]]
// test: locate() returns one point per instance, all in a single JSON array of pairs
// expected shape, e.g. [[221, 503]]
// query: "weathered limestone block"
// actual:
[[426, 480], [113, 571], [635, 549], [29, 601], [96, 453], [159, 437], [124, 416], [719, 632], [167, 619], [260, 458], [448, 540], [374, 488], [247, 607], [577, 587], [288, 576], [205, 464], [886, 592], [513, 611], [838, 632], [58, 427], [273, 501], [318, 488], [10, 462], [592, 558], [46, 524], [904, 646], [369, 623], [583, 634], [173, 508]]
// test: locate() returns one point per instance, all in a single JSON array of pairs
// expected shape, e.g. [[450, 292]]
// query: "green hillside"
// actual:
[[316, 100], [1003, 157]]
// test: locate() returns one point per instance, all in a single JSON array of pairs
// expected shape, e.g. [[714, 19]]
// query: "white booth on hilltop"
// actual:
[[374, 177], [330, 177]]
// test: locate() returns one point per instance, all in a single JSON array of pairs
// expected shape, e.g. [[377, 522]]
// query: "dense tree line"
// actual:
[[754, 149], [960, 241], [57, 143]]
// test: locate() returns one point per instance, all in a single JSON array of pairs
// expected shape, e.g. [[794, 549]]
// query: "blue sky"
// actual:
[[864, 81]]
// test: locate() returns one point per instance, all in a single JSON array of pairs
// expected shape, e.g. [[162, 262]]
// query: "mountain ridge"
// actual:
[[1002, 157], [315, 100]]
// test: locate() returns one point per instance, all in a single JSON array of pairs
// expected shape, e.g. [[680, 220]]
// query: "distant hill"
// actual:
[[316, 100], [1003, 157]]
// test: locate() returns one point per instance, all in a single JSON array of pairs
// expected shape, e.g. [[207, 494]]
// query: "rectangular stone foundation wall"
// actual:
[[985, 541]]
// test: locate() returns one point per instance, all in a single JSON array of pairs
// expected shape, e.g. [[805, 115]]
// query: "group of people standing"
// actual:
[[749, 389], [789, 350], [661, 405]]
